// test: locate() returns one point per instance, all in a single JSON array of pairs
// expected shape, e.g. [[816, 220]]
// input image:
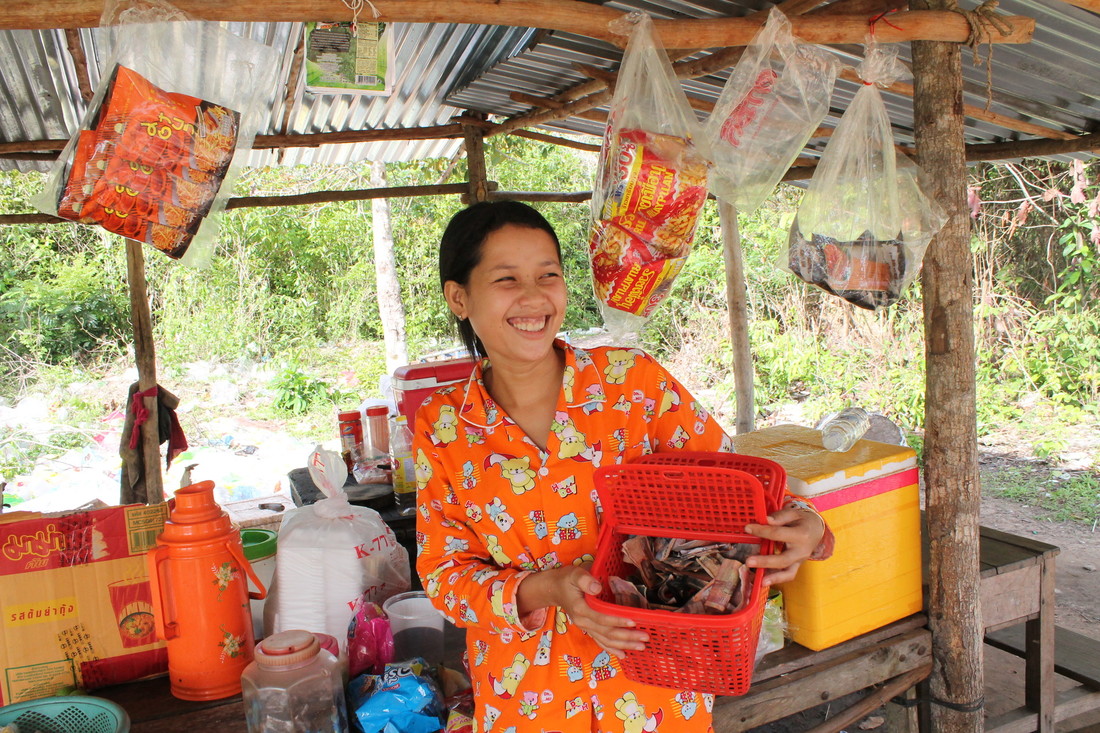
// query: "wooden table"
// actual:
[[895, 657], [1017, 587], [1017, 578]]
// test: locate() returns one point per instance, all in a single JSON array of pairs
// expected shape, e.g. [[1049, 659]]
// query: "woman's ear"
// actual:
[[455, 295]]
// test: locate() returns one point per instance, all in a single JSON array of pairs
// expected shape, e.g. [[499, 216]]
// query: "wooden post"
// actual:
[[474, 135], [737, 304], [953, 492], [146, 358]]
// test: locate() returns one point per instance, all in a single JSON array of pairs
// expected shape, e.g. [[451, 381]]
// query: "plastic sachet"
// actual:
[[403, 699], [774, 99], [331, 554], [865, 221], [650, 185], [160, 143], [370, 639]]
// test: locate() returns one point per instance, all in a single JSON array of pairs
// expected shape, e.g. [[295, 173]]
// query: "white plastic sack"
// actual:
[[865, 222], [774, 99], [329, 554]]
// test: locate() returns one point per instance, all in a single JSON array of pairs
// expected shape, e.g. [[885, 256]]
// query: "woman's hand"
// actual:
[[565, 587], [800, 530]]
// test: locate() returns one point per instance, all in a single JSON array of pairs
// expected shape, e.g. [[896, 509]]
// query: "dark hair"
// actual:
[[460, 247]]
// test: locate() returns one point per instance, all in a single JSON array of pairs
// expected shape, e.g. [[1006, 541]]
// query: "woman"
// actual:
[[508, 511]]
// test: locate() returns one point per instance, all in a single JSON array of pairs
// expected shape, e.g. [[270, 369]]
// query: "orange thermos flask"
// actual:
[[199, 580]]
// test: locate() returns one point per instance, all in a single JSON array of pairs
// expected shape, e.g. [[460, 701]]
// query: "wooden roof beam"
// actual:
[[969, 110], [572, 16], [80, 63]]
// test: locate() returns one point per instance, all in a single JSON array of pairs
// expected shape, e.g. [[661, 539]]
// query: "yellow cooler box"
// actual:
[[870, 498]]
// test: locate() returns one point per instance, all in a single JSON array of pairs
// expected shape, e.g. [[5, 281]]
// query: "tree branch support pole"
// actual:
[[737, 305], [146, 358], [474, 135], [957, 684], [390, 305]]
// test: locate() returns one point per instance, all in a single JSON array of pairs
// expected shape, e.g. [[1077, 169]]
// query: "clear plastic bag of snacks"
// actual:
[[864, 223], [650, 185], [772, 102], [154, 157]]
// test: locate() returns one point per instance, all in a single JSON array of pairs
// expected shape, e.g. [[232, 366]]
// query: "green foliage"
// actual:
[[20, 449], [1067, 496], [296, 392], [73, 312]]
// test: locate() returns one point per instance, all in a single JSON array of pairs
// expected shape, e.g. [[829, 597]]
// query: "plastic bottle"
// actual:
[[842, 432], [293, 685], [198, 575], [404, 470], [376, 433]]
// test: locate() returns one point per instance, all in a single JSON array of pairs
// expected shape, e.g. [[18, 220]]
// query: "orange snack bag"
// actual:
[[78, 184], [641, 240]]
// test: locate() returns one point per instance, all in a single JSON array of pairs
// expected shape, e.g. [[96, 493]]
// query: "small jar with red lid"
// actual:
[[293, 684], [351, 437]]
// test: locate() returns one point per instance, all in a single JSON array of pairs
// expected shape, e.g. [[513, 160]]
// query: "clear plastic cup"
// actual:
[[417, 627]]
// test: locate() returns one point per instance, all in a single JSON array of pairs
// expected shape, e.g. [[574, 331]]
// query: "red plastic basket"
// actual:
[[772, 476], [701, 652]]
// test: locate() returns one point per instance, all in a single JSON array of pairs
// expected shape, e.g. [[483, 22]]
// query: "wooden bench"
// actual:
[[1076, 657], [891, 659]]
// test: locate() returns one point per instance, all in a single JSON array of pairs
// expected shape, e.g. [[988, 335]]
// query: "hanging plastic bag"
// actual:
[[160, 144], [650, 185], [772, 102], [864, 223], [331, 555]]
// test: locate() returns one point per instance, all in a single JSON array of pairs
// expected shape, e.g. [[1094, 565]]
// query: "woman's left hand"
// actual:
[[799, 530]]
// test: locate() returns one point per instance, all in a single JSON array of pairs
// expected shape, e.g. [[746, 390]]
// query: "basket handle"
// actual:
[[165, 629]]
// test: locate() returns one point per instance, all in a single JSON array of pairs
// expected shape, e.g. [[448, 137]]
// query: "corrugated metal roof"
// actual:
[[446, 68]]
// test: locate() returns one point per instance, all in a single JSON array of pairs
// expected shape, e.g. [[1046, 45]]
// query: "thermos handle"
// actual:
[[165, 629], [238, 553]]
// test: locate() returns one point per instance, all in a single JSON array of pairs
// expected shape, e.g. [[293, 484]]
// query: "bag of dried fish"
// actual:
[[864, 223]]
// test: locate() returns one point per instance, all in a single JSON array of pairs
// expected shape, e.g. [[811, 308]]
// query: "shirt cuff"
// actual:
[[824, 549], [528, 622]]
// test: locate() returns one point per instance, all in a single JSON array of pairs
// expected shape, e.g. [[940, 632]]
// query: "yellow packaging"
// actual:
[[75, 599], [869, 497]]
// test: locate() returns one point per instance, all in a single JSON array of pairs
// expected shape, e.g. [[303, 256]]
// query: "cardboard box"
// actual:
[[870, 498], [74, 594], [413, 384]]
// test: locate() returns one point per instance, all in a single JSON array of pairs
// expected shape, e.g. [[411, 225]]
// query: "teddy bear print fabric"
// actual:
[[494, 507]]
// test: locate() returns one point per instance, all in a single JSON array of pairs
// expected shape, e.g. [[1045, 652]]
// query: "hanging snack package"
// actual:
[[774, 99], [650, 185], [864, 222], [161, 141]]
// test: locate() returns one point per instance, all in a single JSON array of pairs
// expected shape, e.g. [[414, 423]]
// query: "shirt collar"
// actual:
[[581, 383]]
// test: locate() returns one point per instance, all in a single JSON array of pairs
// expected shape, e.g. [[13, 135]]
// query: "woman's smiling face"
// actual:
[[515, 298]]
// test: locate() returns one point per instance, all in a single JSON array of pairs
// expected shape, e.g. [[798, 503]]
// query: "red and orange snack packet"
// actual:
[[642, 238], [152, 164]]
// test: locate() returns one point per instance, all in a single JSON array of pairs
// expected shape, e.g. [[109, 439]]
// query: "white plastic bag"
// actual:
[[865, 222], [650, 186], [772, 102], [159, 146], [330, 554]]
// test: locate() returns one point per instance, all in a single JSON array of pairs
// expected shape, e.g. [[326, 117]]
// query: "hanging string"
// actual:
[[356, 6], [980, 19]]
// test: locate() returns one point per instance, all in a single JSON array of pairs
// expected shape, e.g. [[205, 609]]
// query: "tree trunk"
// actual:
[[953, 492], [737, 304], [146, 361], [390, 307]]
